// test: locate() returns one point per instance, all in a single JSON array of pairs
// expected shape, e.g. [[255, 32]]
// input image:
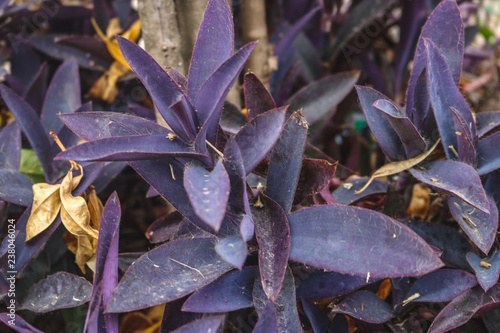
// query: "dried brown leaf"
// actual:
[[420, 201], [75, 214], [399, 166], [46, 205], [95, 208], [81, 247]]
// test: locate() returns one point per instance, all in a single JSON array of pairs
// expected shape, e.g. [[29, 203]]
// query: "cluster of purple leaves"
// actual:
[[240, 238]]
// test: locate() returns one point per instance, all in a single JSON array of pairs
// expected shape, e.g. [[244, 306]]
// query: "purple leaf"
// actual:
[[158, 173], [488, 159], [235, 169], [465, 147], [63, 95], [20, 325], [444, 28], [164, 228], [268, 321], [455, 178], [382, 246], [230, 292], [487, 269], [464, 307], [66, 135], [322, 96], [214, 45], [314, 176], [32, 128], [210, 99], [257, 137], [178, 78], [128, 148], [453, 243], [365, 306], [208, 193], [210, 324], [442, 285], [35, 94], [162, 88], [94, 125], [257, 98], [233, 250], [273, 236], [15, 188], [486, 122], [381, 128], [444, 94], [59, 291], [345, 194], [232, 118], [174, 317], [286, 314], [10, 145], [412, 141], [106, 270], [317, 283], [286, 162], [479, 226], [175, 269], [319, 320], [184, 112]]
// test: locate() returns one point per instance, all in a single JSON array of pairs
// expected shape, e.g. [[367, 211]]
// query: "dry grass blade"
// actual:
[[46, 204], [75, 214], [399, 166]]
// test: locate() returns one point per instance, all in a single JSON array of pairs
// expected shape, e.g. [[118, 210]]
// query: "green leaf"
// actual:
[[31, 167]]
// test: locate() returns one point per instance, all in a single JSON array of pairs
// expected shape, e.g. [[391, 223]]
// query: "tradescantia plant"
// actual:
[[208, 177], [252, 242]]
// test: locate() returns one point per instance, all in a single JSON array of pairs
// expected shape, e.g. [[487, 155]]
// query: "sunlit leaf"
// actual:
[[46, 205]]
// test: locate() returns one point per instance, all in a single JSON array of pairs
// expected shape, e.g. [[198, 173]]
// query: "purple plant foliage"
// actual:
[[487, 276], [365, 306], [210, 324]]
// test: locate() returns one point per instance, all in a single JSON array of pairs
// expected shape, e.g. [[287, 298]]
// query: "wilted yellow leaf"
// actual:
[[46, 205], [81, 246], [75, 214], [420, 201], [399, 166]]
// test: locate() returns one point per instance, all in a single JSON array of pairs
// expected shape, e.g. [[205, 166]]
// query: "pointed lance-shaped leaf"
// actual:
[[487, 121], [381, 128], [268, 321], [322, 96], [214, 45], [286, 314], [106, 270], [63, 95], [338, 229], [488, 158], [445, 29], [257, 98], [258, 137], [10, 146], [273, 236], [365, 306], [413, 142], [175, 269], [444, 93], [94, 125], [32, 128], [210, 99], [315, 175], [208, 192], [346, 194], [233, 163], [59, 291], [285, 161], [464, 307], [184, 111], [230, 292], [479, 226], [455, 178], [129, 148], [487, 269], [21, 325], [162, 88], [465, 147], [442, 285], [319, 320]]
